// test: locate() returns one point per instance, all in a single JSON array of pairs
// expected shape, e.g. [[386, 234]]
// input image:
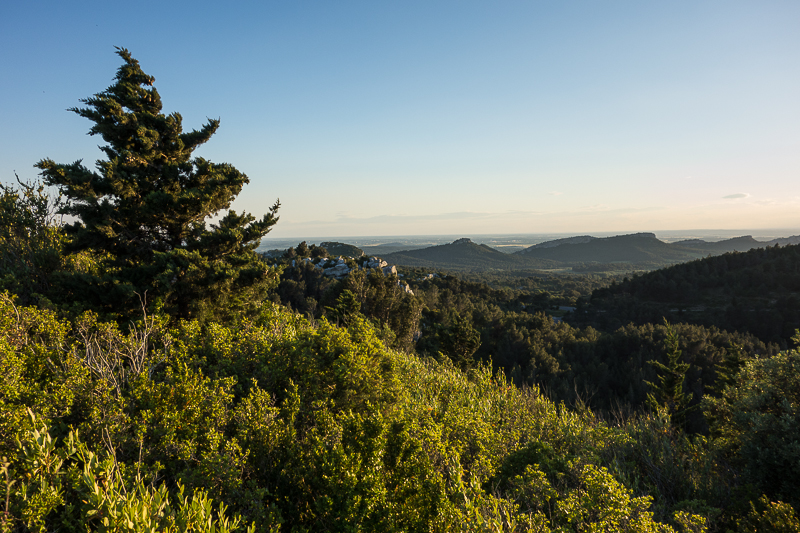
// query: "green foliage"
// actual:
[[604, 370], [600, 503], [455, 337], [386, 302], [534, 453], [288, 424], [304, 426], [682, 474], [668, 393], [756, 292], [757, 419], [32, 346], [691, 523], [303, 250], [371, 294], [346, 308], [445, 313], [770, 517], [338, 248], [31, 240], [144, 211], [70, 487], [728, 367]]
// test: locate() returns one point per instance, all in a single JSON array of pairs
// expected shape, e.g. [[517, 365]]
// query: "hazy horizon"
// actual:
[[520, 239]]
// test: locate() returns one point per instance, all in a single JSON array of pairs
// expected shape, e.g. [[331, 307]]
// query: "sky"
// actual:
[[442, 117]]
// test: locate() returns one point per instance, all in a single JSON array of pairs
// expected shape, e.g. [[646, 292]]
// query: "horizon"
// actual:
[[443, 117], [522, 239]]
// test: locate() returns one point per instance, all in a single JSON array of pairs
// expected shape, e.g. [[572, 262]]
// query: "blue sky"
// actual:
[[403, 118]]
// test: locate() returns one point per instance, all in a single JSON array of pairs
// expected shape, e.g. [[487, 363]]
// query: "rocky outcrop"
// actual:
[[338, 268], [375, 262]]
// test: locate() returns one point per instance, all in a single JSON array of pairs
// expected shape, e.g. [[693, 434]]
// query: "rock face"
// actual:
[[338, 270], [375, 262], [335, 268]]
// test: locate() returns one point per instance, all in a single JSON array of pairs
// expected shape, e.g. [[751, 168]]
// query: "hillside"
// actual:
[[736, 244], [390, 247], [462, 254], [295, 427], [635, 248], [558, 242], [337, 248], [757, 291]]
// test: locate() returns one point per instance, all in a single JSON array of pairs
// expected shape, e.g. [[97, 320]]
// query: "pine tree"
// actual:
[[668, 392], [143, 212], [732, 361], [726, 377]]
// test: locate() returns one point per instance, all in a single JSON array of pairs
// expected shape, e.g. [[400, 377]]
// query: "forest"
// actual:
[[757, 291], [157, 374]]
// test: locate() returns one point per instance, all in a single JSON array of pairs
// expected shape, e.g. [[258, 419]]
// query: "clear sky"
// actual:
[[432, 117]]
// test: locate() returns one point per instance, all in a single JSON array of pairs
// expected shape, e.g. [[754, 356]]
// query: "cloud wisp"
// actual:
[[346, 218]]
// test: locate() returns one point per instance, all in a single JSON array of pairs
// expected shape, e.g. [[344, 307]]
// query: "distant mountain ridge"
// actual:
[[633, 248], [558, 242], [643, 251], [736, 244], [462, 254]]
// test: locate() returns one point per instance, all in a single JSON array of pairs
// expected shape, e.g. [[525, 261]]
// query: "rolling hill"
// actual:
[[757, 291], [462, 254], [737, 244], [635, 248]]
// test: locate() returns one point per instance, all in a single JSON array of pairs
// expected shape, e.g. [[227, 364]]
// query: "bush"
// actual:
[[757, 419]]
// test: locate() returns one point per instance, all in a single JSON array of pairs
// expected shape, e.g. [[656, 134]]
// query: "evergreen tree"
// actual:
[[302, 250], [347, 307], [668, 392], [143, 212], [726, 370], [460, 341]]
